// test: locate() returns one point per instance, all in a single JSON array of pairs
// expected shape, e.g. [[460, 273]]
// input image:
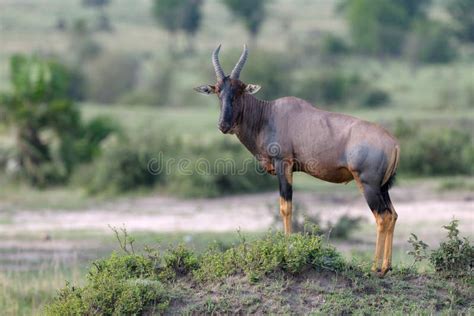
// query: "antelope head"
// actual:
[[228, 89]]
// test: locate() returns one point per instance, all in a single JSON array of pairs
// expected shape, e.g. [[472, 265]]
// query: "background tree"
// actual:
[[178, 15], [430, 42], [414, 9], [40, 104], [380, 27], [462, 12], [250, 12]]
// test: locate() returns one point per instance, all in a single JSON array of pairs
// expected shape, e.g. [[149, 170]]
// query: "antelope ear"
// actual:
[[206, 89], [252, 88]]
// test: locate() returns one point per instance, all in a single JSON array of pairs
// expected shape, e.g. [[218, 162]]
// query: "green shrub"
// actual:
[[344, 226], [328, 87], [380, 27], [178, 261], [334, 86], [252, 13], [144, 284], [440, 152], [418, 251], [119, 285], [274, 253], [455, 256], [221, 168], [270, 70], [461, 12], [333, 46], [85, 144], [191, 170], [375, 98], [51, 137], [431, 42], [124, 165]]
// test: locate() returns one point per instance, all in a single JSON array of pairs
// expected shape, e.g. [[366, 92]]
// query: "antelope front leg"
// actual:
[[284, 172], [286, 212]]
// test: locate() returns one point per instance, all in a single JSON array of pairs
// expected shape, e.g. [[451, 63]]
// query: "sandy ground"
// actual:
[[25, 241], [247, 212]]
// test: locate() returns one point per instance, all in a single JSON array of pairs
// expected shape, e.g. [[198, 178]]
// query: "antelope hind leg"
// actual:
[[380, 241], [387, 261], [374, 198]]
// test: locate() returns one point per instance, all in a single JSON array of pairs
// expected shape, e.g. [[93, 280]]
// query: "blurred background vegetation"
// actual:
[[75, 77]]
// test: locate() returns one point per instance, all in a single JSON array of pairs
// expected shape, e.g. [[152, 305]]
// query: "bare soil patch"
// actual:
[[245, 212]]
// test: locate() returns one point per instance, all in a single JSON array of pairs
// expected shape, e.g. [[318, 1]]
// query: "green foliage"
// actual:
[[175, 15], [272, 71], [437, 152], [40, 104], [334, 86], [418, 251], [375, 98], [333, 46], [462, 13], [328, 87], [84, 146], [276, 74], [247, 276], [251, 12], [431, 42], [188, 170], [37, 79], [455, 256], [137, 284], [178, 261], [121, 284], [124, 165], [414, 9], [344, 226], [274, 253], [374, 25], [218, 169], [380, 27]]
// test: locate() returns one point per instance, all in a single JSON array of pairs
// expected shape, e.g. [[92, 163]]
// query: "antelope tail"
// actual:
[[392, 165]]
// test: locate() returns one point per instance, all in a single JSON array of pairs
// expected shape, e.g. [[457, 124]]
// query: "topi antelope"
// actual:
[[290, 134]]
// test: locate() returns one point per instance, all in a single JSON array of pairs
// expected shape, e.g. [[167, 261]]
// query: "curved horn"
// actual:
[[217, 66], [240, 64]]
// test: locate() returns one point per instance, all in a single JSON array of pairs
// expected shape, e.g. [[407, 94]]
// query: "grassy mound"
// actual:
[[275, 274]]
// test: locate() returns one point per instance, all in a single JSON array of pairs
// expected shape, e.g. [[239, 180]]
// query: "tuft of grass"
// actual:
[[178, 261], [121, 284], [455, 255], [454, 258], [272, 254], [25, 292]]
